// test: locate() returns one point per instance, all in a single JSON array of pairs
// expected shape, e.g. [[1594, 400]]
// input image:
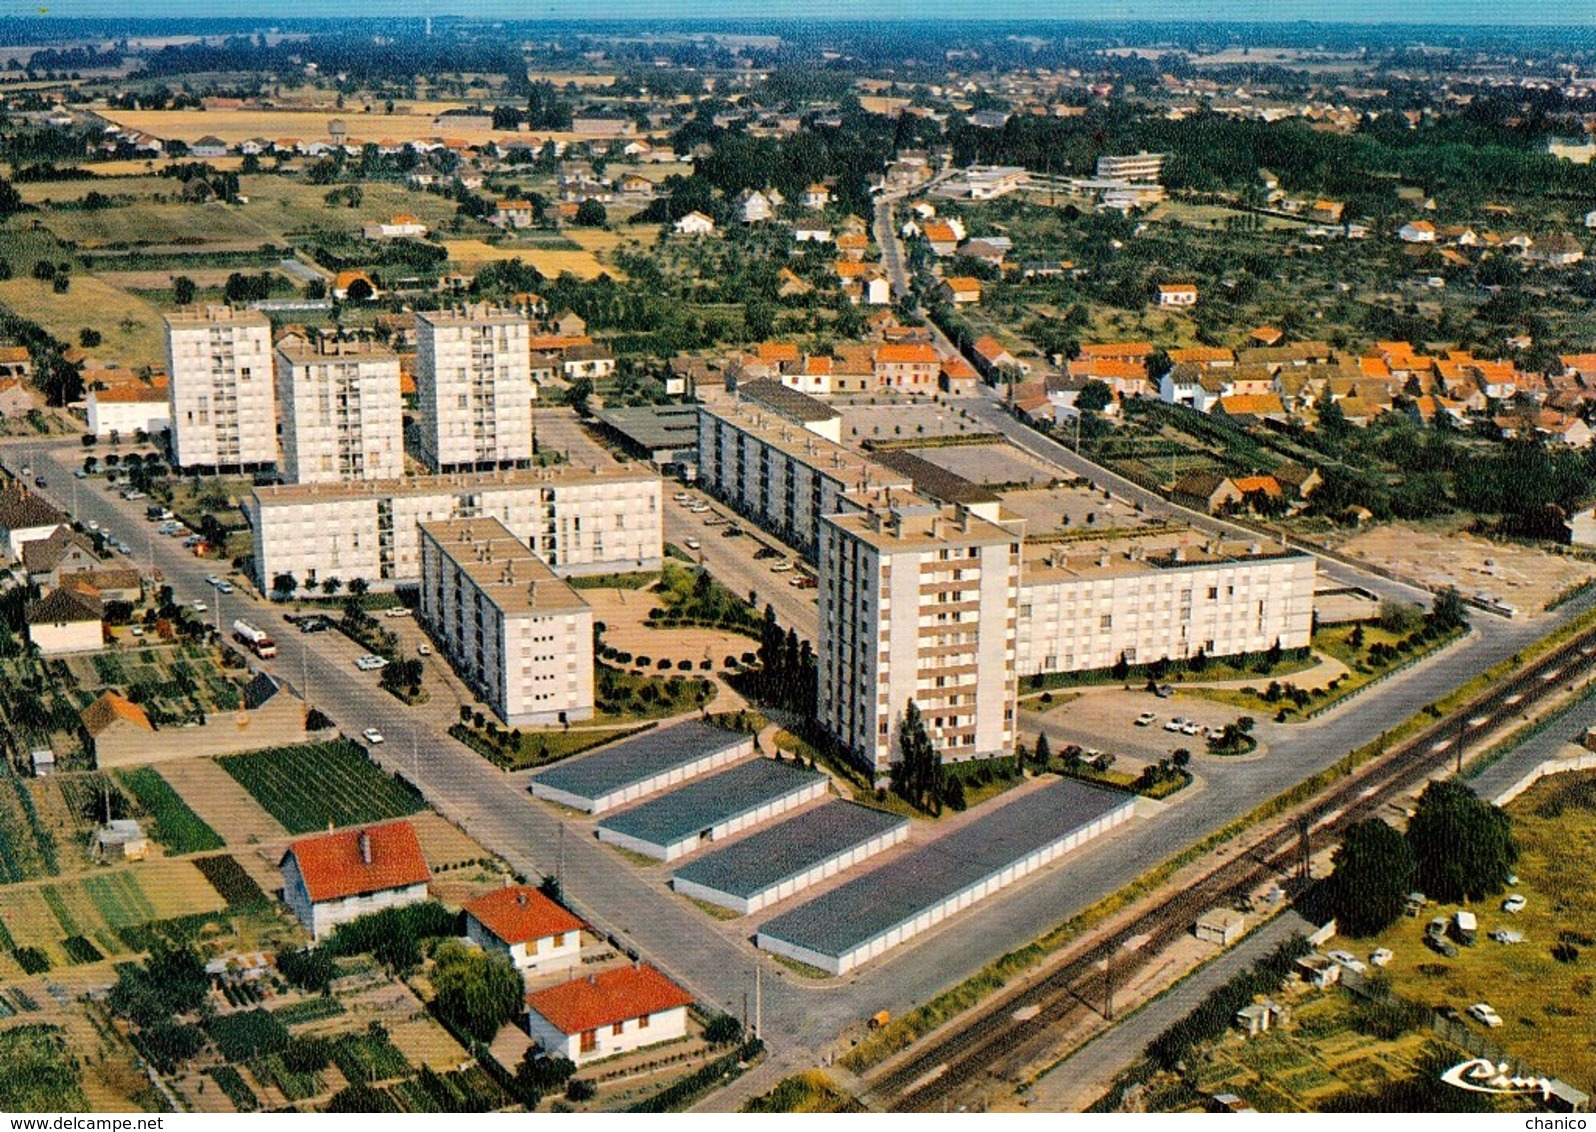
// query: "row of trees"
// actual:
[[1457, 847]]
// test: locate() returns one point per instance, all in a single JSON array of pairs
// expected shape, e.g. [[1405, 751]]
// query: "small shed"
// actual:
[[43, 760], [1223, 926], [122, 838], [1257, 1017], [1318, 970]]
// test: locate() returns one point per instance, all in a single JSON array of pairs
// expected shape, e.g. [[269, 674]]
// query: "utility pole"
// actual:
[[1461, 724], [759, 995], [1108, 996]]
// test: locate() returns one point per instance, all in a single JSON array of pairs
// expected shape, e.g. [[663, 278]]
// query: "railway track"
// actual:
[[1011, 1033]]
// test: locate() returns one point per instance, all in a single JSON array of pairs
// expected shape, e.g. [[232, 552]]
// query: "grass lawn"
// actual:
[[629, 697], [173, 823], [1332, 642], [309, 786], [130, 328], [1548, 1007], [542, 747]]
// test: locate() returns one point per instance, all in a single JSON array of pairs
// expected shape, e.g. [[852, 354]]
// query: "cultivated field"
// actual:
[[130, 327], [310, 786], [550, 262]]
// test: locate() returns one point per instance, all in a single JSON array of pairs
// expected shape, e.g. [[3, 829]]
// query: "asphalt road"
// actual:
[[732, 562], [713, 959]]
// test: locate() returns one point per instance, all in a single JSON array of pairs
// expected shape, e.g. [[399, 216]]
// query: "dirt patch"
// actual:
[[224, 805], [625, 617], [1519, 576]]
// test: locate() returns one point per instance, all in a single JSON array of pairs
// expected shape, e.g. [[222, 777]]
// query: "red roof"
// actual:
[[617, 995], [334, 866], [522, 914], [917, 353]]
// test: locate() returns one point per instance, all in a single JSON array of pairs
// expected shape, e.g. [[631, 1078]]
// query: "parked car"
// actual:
[[781, 567], [398, 611], [691, 543], [1483, 1013], [1380, 956], [372, 736], [212, 580], [1191, 727], [732, 531], [1514, 903], [1146, 719], [1175, 723], [370, 663], [38, 481], [137, 630], [199, 606], [224, 588], [79, 474], [1441, 945], [1163, 691], [681, 497], [1346, 960]]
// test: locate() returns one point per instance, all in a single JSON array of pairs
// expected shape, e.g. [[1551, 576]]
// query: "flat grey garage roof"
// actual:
[[790, 849], [638, 759], [706, 802], [852, 915]]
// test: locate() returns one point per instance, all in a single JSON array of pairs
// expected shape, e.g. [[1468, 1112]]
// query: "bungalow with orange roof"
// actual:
[[1266, 336], [335, 877], [810, 374], [402, 226], [129, 408], [1177, 295], [15, 361], [1417, 232], [607, 1013], [942, 238], [907, 365], [1118, 351], [115, 720], [961, 290], [1265, 485], [513, 214], [354, 286], [1126, 379], [521, 923], [815, 197], [853, 368], [959, 378], [1266, 405], [853, 245], [1210, 357], [993, 359]]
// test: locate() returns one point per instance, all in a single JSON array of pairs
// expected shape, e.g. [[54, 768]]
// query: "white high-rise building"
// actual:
[[224, 412], [517, 633], [342, 414], [474, 388], [917, 602]]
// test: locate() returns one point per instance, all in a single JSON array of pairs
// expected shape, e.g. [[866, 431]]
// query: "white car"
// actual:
[[681, 497], [1146, 719], [1514, 903], [199, 606], [137, 630], [1347, 960], [781, 567], [423, 650], [1380, 956], [691, 543], [1483, 1013], [370, 663], [224, 587], [212, 580], [398, 611], [1191, 727], [93, 526], [1174, 724], [372, 736], [699, 508]]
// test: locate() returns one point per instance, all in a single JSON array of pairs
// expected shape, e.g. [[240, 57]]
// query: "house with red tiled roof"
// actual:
[[1118, 351], [943, 239], [336, 877], [533, 931], [959, 378], [15, 361], [907, 365], [992, 358], [607, 1013], [961, 290]]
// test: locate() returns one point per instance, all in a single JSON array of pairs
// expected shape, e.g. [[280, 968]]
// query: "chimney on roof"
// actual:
[[1178, 554], [520, 897], [592, 980], [365, 847]]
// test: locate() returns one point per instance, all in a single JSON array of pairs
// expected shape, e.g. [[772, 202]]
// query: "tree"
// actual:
[[538, 1074], [1463, 846], [1094, 397], [1370, 882], [723, 1030], [183, 290], [917, 776], [1448, 613], [88, 338], [591, 214], [1044, 751], [283, 586], [478, 991], [578, 393]]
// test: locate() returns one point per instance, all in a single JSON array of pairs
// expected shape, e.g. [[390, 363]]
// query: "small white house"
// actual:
[[336, 877], [65, 621], [122, 839], [607, 1013], [695, 223], [1417, 232], [519, 921], [128, 408], [1177, 294], [400, 227]]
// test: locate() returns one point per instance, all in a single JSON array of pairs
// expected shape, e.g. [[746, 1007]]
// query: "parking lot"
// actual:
[[744, 562], [1104, 719]]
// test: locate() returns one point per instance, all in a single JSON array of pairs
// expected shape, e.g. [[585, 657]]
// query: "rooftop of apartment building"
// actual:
[[503, 567], [912, 522], [1058, 559], [327, 346], [475, 314], [556, 475], [214, 315], [849, 468]]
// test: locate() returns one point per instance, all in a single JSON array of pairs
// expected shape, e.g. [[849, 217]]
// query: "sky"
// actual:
[[1496, 12]]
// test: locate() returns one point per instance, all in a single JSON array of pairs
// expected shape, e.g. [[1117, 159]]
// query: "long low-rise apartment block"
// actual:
[[1087, 605], [578, 519], [779, 473], [514, 631]]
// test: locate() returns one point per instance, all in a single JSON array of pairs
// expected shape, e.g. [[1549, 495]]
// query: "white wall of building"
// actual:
[[342, 415], [321, 918], [721, 830], [539, 956], [666, 1026], [67, 636], [127, 417], [221, 392], [830, 867], [474, 388], [647, 786]]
